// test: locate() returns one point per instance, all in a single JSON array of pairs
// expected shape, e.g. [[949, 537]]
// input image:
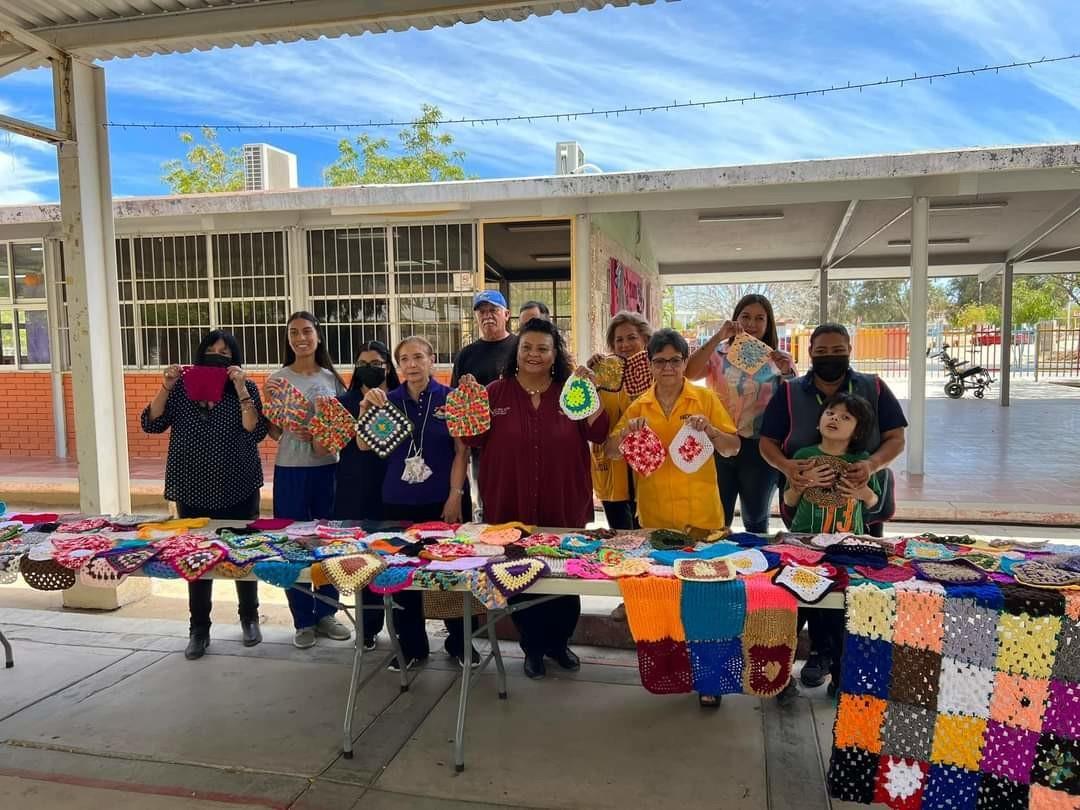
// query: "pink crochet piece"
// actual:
[[205, 383], [643, 451], [584, 569]]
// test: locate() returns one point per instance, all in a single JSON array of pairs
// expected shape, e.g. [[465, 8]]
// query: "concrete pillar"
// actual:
[[916, 438], [583, 305], [1006, 331], [823, 295]]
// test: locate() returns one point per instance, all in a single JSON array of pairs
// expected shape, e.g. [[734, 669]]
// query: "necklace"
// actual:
[[531, 392], [416, 469]]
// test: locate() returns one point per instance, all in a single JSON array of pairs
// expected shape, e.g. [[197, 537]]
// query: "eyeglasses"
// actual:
[[660, 362]]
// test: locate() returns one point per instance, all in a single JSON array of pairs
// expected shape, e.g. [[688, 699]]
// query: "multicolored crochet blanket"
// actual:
[[959, 696]]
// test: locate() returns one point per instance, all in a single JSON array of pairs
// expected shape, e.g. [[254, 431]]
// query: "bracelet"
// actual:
[[459, 491], [245, 399]]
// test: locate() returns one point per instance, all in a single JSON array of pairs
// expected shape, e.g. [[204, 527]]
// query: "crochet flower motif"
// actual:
[[902, 780], [690, 448], [1059, 767]]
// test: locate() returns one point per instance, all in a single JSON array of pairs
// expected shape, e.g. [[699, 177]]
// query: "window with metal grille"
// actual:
[[251, 292], [24, 317], [556, 294]]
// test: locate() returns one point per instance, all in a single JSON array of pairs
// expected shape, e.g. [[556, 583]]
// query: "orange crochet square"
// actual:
[[1019, 701], [1043, 798], [859, 720], [1072, 605], [958, 740], [920, 620], [653, 607]]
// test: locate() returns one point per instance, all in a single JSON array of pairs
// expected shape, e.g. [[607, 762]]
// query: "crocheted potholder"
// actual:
[[952, 572], [625, 541], [637, 376], [351, 573], [468, 410], [690, 450], [231, 570], [99, 574], [579, 399], [1040, 575], [609, 373], [540, 540], [285, 406], [630, 567], [46, 575], [499, 537], [747, 353], [715, 570], [920, 550], [808, 584], [383, 429], [247, 556], [748, 561], [643, 451], [9, 568], [124, 561], [516, 576], [437, 580], [830, 495], [446, 551], [669, 540], [333, 426], [548, 551], [610, 556], [579, 544], [195, 563], [584, 569], [278, 572], [392, 580]]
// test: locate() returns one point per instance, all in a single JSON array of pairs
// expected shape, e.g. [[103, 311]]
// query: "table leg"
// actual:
[[358, 651], [9, 662], [395, 645], [500, 670], [466, 682]]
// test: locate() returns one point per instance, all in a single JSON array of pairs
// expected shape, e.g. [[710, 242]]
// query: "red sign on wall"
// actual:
[[629, 291]]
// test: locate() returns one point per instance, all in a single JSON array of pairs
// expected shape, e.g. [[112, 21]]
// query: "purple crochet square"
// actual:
[[1063, 710], [1009, 751]]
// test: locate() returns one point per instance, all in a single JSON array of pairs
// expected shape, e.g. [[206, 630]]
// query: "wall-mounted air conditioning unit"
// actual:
[[569, 157], [267, 168]]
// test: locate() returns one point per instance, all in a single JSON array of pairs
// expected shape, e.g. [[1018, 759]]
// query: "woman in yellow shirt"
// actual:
[[627, 335], [670, 498]]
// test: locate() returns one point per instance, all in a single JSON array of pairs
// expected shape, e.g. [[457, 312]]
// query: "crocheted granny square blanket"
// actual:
[[468, 410], [643, 451], [691, 449], [383, 429], [959, 696], [286, 406], [637, 374], [747, 353], [579, 398], [609, 373], [333, 426]]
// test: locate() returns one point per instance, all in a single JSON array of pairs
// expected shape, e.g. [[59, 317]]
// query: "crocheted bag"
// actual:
[[643, 451], [333, 426], [637, 375], [353, 572], [383, 429], [285, 406], [579, 398], [513, 577], [609, 373], [747, 353], [468, 410], [45, 575], [691, 449]]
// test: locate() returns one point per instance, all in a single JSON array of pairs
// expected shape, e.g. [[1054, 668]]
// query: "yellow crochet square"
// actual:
[[920, 620], [859, 720], [958, 740], [871, 612], [1027, 644]]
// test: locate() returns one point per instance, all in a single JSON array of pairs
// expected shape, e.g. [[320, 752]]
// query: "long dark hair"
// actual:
[[561, 369], [770, 319], [212, 337], [379, 348], [322, 356]]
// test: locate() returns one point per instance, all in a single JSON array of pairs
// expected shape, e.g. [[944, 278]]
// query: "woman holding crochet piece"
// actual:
[[304, 473], [213, 468], [744, 476], [426, 479], [535, 468], [684, 417], [627, 335], [360, 472]]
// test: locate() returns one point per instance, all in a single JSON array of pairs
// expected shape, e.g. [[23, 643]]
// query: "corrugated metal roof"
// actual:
[[110, 29]]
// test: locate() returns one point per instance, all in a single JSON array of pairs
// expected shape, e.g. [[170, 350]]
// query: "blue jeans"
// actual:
[[750, 479], [306, 493]]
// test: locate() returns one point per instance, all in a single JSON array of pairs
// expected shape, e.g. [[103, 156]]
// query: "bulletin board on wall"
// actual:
[[629, 290]]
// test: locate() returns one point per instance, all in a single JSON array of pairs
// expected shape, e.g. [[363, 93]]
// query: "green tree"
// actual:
[[426, 156], [207, 167], [974, 314], [1035, 300]]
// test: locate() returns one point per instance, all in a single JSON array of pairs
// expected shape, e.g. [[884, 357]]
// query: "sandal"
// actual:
[[709, 701]]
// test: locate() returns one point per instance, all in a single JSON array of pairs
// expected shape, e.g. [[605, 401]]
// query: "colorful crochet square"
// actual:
[[579, 398], [916, 675], [195, 563], [333, 426], [653, 609], [1026, 644], [998, 793], [871, 612], [717, 666], [1019, 701], [767, 668], [285, 406], [958, 740], [951, 787], [383, 429], [920, 619], [859, 721], [392, 580], [970, 632], [805, 583], [866, 667], [643, 451], [468, 410], [278, 572], [747, 353], [1020, 599], [900, 782], [1057, 764], [609, 373], [713, 611], [665, 666], [1009, 752], [1063, 710], [352, 573], [965, 688], [908, 731], [637, 374], [691, 449], [513, 577], [852, 775], [694, 570]]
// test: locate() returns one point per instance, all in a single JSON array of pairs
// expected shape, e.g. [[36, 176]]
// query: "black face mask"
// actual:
[[831, 367], [216, 360], [370, 376]]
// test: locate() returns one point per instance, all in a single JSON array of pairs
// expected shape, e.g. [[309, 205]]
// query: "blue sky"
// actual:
[[694, 49]]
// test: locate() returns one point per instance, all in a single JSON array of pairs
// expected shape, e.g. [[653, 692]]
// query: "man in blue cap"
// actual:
[[486, 358]]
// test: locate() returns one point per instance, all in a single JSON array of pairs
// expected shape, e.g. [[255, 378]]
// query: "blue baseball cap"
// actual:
[[493, 297]]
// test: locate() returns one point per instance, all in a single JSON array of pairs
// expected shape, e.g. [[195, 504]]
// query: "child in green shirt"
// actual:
[[845, 421]]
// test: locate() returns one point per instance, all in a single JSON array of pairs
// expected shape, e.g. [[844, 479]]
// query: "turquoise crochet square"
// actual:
[[713, 611]]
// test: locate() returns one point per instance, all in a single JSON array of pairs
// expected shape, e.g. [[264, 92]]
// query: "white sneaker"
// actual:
[[333, 629], [304, 638]]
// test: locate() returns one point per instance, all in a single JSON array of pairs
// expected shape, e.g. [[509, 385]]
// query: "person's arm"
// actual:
[[629, 423], [452, 512], [792, 495], [698, 363], [152, 421], [251, 413]]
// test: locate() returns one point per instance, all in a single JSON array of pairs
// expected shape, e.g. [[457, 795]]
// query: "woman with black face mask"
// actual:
[[213, 468], [360, 473]]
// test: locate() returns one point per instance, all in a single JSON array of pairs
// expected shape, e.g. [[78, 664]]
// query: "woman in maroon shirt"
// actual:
[[535, 468]]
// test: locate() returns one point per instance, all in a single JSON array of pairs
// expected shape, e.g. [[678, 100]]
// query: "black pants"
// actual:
[[546, 629], [201, 591], [409, 621], [825, 626], [621, 514]]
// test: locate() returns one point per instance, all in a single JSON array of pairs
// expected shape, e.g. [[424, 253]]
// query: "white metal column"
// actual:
[[823, 295], [1006, 331], [582, 236], [93, 294], [916, 438], [56, 373]]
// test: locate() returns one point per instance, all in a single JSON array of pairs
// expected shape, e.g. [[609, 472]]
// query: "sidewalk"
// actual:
[[105, 712], [984, 463]]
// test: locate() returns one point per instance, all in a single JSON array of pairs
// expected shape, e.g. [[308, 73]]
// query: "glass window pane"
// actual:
[[7, 339], [5, 279], [33, 334], [28, 261]]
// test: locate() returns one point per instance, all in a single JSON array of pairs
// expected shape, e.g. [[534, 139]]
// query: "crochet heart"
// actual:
[[609, 373], [579, 399], [715, 570], [643, 451], [513, 577]]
